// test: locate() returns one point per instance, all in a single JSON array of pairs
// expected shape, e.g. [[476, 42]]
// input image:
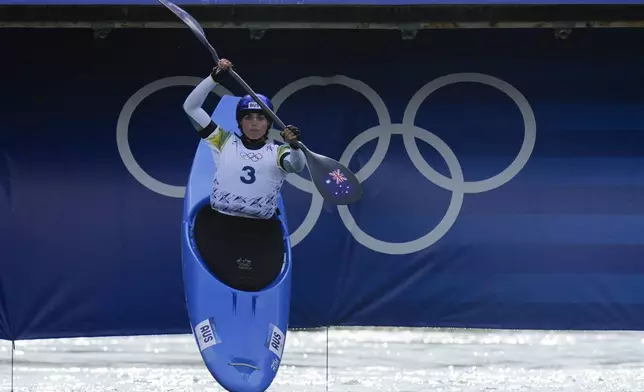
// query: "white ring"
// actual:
[[376, 101], [383, 132], [311, 218], [400, 248], [529, 123], [123, 125]]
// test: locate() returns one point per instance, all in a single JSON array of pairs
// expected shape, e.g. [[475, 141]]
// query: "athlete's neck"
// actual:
[[253, 144]]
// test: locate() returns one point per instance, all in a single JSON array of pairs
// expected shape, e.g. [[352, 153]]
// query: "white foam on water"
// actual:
[[360, 360]]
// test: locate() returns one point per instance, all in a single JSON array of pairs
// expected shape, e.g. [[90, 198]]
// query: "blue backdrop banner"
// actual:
[[502, 173]]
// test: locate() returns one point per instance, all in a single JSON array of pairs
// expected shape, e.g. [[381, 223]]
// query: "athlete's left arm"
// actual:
[[289, 159]]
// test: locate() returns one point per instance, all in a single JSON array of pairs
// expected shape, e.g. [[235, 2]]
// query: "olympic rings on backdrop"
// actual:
[[456, 183], [123, 130]]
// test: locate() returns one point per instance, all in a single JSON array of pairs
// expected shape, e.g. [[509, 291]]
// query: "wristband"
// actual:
[[218, 77]]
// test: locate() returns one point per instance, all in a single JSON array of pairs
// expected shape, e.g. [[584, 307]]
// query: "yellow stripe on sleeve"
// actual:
[[218, 139], [281, 151]]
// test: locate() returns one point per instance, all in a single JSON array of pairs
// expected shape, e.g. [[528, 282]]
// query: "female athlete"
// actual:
[[239, 235]]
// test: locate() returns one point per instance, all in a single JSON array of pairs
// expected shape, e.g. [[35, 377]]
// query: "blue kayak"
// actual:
[[240, 334]]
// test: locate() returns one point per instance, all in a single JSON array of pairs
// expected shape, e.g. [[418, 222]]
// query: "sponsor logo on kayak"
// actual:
[[206, 336], [276, 341], [244, 264], [275, 364], [245, 267]]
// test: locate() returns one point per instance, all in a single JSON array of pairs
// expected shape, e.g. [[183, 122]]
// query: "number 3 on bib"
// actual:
[[250, 175]]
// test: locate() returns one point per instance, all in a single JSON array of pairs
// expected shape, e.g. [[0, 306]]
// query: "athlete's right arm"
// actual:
[[212, 133], [192, 106]]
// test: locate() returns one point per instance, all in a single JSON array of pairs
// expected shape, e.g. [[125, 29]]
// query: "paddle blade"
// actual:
[[192, 24], [336, 183]]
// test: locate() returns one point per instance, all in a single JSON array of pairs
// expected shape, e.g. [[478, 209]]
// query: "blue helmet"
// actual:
[[248, 105]]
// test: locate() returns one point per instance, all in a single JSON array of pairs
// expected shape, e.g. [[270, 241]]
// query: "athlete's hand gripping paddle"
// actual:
[[335, 182]]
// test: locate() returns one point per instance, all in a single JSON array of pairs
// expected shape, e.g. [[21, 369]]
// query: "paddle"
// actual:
[[335, 182]]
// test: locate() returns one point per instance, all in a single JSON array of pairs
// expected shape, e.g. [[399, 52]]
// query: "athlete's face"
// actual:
[[254, 125]]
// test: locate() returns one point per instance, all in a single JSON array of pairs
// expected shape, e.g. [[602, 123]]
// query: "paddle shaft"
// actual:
[[250, 92], [196, 29], [261, 103], [319, 165]]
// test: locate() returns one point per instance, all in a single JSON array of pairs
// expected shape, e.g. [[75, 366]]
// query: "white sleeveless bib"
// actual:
[[247, 181]]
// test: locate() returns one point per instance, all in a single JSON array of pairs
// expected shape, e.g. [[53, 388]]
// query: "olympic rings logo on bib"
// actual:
[[251, 156], [383, 132]]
